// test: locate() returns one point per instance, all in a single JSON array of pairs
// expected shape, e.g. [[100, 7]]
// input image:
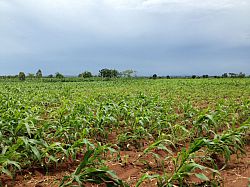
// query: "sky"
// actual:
[[166, 37]]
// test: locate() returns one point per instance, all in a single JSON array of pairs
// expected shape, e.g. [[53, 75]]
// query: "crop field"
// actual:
[[127, 132]]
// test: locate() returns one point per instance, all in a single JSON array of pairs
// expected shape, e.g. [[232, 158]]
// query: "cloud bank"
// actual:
[[151, 36]]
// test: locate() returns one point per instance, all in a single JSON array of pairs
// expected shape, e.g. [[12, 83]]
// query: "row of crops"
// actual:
[[180, 128]]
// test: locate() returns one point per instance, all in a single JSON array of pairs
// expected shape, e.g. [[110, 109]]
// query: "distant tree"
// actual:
[[31, 75], [50, 76], [108, 73], [204, 76], [154, 76], [59, 75], [21, 76], [233, 75], [39, 74], [114, 73], [104, 73], [85, 74], [168, 77], [242, 75], [128, 73], [193, 76], [224, 75]]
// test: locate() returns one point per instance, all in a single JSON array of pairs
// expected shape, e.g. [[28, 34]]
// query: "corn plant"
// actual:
[[8, 167], [87, 173], [151, 150], [196, 123], [184, 166]]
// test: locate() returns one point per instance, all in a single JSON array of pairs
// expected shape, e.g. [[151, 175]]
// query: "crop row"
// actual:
[[43, 125]]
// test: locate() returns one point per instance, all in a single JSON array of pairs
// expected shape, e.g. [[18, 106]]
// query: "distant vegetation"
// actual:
[[59, 75], [39, 74], [21, 76], [106, 74], [85, 74]]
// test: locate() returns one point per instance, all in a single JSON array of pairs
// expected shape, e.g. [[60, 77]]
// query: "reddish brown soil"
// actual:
[[237, 173]]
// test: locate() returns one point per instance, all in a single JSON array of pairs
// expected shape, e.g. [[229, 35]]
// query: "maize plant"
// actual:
[[173, 130]]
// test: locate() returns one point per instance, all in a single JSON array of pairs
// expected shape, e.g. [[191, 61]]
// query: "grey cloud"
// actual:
[[160, 36]]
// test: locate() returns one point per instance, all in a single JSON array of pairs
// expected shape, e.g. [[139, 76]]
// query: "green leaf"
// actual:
[[77, 178], [36, 152], [9, 162], [145, 177], [28, 129], [202, 176], [85, 161]]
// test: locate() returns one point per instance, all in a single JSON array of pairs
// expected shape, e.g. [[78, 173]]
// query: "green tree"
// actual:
[[108, 73], [21, 76], [39, 74], [233, 75], [59, 75], [154, 76], [242, 75], [224, 75], [50, 76], [85, 74], [114, 73]]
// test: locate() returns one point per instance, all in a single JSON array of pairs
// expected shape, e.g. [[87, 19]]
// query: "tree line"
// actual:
[[103, 73], [224, 75], [113, 73]]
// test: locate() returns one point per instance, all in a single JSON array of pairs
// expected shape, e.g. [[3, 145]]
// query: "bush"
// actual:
[[59, 75], [21, 76], [85, 74]]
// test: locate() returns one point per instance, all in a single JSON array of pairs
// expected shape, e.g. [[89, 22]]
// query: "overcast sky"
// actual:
[[167, 37]]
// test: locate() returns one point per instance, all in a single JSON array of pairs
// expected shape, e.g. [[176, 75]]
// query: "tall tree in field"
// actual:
[[39, 74], [104, 73], [114, 73], [50, 76], [21, 76], [85, 74], [224, 75], [242, 75], [108, 73], [232, 75], [59, 75]]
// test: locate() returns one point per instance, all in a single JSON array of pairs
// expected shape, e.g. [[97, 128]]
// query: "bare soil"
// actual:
[[237, 173]]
